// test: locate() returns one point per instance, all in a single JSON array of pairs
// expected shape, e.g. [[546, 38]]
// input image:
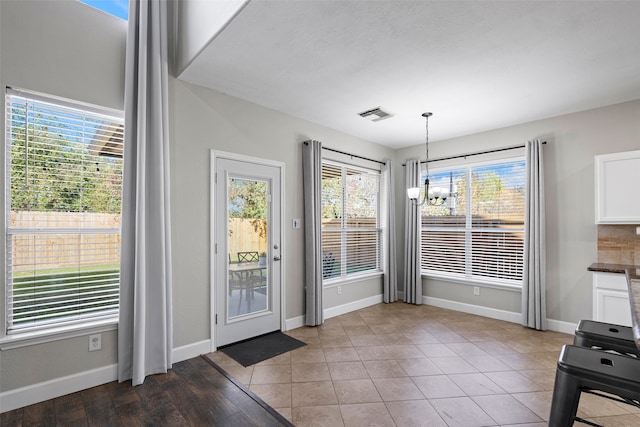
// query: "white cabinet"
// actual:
[[611, 299], [618, 188]]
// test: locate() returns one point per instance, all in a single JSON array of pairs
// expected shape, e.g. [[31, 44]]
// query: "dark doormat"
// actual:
[[254, 350]]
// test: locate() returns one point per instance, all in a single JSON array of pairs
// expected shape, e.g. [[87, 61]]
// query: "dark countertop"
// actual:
[[612, 268], [633, 274]]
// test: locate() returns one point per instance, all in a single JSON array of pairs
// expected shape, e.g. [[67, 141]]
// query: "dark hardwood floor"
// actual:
[[193, 393]]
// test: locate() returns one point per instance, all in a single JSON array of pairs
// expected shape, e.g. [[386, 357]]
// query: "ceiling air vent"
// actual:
[[375, 114]]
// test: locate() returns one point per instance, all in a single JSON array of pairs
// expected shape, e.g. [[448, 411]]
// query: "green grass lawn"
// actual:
[[44, 272], [41, 295]]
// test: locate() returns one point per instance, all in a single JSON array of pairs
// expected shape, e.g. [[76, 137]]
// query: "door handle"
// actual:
[[276, 258]]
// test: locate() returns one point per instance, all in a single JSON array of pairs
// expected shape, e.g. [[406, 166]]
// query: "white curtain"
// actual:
[[389, 238], [145, 328], [534, 306], [412, 279], [312, 187]]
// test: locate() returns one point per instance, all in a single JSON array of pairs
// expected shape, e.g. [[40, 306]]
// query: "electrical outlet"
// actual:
[[95, 342], [339, 290], [476, 290]]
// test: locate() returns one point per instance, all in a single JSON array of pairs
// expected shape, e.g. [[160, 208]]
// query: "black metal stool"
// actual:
[[582, 369], [606, 336]]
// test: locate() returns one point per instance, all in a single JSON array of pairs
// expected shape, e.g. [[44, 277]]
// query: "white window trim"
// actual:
[[56, 100], [358, 277], [352, 278], [74, 328], [25, 339], [468, 279]]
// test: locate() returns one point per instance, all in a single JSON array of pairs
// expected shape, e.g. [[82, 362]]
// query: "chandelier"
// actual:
[[435, 196]]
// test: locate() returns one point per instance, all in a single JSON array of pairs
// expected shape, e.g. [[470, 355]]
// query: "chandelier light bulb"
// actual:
[[413, 193]]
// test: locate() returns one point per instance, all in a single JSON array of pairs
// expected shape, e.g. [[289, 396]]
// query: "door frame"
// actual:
[[214, 155]]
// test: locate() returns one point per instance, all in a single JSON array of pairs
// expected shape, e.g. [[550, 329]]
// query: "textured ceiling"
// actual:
[[477, 65]]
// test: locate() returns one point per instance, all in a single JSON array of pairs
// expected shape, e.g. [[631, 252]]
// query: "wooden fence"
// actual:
[[63, 250], [49, 251], [243, 238]]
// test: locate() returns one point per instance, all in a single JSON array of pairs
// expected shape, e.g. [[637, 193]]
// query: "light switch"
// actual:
[[296, 223]]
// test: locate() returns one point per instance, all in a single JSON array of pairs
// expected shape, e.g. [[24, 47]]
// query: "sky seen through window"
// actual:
[[119, 8]]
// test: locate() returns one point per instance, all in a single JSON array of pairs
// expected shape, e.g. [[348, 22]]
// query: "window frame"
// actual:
[[70, 327], [468, 278], [344, 277]]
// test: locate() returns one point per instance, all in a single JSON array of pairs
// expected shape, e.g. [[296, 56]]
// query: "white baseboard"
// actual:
[[190, 351], [494, 313], [28, 395], [298, 322], [35, 393], [352, 306], [294, 322], [561, 326]]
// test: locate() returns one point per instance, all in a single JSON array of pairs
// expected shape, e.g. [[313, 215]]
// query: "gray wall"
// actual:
[[64, 48], [573, 141], [202, 120]]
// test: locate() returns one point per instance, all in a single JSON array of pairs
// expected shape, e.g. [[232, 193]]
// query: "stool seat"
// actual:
[[584, 369], [590, 333]]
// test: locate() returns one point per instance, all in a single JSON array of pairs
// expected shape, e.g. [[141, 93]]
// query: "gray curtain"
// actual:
[[312, 185], [412, 279], [145, 328], [534, 306], [389, 238]]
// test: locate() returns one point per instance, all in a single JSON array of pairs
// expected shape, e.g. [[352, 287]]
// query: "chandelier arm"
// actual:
[[426, 192]]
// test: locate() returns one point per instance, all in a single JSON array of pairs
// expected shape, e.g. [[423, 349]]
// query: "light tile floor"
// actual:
[[405, 365]]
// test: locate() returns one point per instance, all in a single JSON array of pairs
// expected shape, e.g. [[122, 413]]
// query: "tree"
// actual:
[[358, 191], [495, 193], [248, 200], [332, 197], [486, 191], [54, 170]]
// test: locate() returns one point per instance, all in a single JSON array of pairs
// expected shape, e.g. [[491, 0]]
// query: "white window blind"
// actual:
[[350, 220], [479, 233], [64, 164]]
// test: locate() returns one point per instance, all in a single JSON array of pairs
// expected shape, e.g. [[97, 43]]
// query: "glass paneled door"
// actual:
[[247, 249]]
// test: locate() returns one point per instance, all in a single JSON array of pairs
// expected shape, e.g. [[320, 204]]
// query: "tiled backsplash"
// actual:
[[618, 244]]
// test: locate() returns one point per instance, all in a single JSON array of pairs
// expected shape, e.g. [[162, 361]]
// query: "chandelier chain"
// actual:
[[426, 121]]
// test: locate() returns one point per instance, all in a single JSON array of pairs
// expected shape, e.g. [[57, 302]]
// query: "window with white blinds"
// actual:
[[64, 164], [477, 234], [351, 231]]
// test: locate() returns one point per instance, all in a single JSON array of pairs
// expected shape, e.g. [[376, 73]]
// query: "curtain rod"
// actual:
[[460, 156], [353, 155]]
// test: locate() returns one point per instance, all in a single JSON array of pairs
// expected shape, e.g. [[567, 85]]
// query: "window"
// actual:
[[119, 8], [64, 164], [351, 231], [478, 234]]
